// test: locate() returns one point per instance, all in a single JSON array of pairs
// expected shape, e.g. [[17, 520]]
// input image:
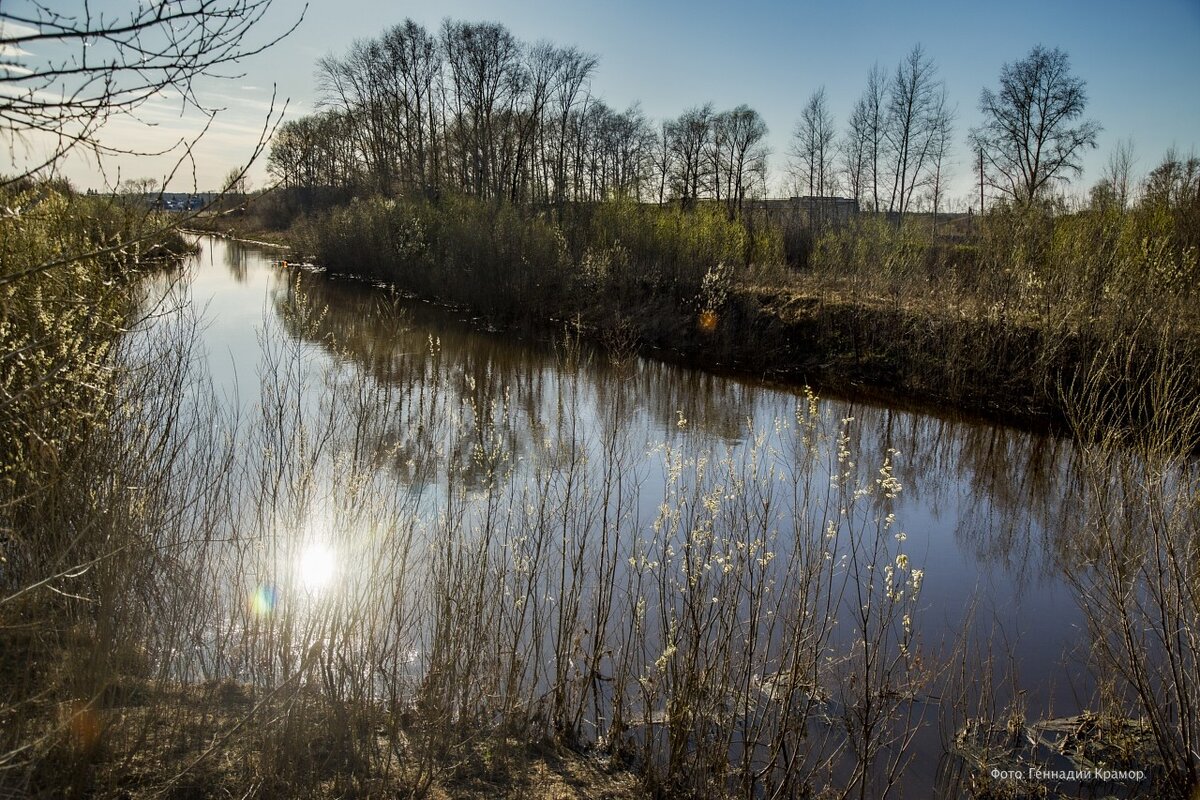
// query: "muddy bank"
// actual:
[[1002, 371], [999, 371]]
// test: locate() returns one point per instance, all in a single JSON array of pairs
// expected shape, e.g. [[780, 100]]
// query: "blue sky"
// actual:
[[1141, 63]]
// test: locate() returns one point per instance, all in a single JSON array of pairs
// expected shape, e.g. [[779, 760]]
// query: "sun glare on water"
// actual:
[[316, 567]]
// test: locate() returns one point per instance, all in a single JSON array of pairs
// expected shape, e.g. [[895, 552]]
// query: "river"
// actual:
[[977, 510]]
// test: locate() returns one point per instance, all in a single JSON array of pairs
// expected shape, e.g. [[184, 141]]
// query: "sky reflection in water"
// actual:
[[980, 504]]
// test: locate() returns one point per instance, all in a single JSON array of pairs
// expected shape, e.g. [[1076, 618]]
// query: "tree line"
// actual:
[[471, 109]]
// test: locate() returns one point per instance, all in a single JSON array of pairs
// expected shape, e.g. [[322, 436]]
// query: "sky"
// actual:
[[1140, 62]]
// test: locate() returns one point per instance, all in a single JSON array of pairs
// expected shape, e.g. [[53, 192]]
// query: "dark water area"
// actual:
[[981, 508]]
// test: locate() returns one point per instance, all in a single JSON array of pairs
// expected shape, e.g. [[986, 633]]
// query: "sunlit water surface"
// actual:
[[980, 504]]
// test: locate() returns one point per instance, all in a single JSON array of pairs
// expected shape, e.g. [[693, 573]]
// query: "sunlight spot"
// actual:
[[316, 567]]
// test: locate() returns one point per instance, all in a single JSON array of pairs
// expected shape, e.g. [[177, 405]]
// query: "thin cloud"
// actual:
[[15, 30], [233, 102]]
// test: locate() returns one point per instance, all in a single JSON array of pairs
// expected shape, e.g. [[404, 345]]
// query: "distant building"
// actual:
[[180, 201], [808, 210]]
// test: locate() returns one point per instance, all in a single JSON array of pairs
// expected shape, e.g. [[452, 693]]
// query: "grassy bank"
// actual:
[[1001, 315], [245, 227]]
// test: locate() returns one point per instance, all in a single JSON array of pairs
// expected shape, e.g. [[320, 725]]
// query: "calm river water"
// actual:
[[981, 504]]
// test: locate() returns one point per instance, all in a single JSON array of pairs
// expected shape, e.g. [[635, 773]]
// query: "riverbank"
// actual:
[[241, 227], [991, 354], [142, 739]]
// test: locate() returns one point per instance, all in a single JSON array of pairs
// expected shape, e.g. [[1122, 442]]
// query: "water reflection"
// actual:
[[239, 257], [1004, 492], [982, 505], [317, 567], [461, 421]]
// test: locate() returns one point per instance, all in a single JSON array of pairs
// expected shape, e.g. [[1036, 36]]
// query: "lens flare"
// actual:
[[85, 726], [262, 601]]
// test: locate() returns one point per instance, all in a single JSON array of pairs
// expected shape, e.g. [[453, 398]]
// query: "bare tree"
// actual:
[[745, 154], [542, 65], [855, 152], [485, 70], [1174, 183], [354, 85], [872, 112], [236, 185], [575, 70], [664, 159], [486, 114], [64, 73], [715, 154], [476, 111], [314, 156], [813, 146], [1028, 137], [1118, 173], [1173, 188], [410, 72], [939, 155], [915, 102], [688, 138], [388, 90], [632, 143]]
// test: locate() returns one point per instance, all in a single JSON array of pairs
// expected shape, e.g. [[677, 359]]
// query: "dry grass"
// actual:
[[751, 625]]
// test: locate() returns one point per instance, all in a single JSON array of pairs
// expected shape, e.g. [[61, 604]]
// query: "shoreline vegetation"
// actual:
[[1003, 318]]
